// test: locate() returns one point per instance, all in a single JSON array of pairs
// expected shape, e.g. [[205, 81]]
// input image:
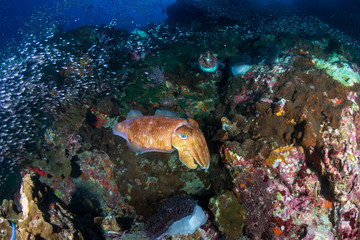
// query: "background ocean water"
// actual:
[[19, 17]]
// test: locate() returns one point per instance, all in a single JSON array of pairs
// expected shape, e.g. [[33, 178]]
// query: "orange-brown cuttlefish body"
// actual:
[[162, 133]]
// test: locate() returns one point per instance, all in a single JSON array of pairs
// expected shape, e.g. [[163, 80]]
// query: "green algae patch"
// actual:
[[229, 214], [339, 69], [192, 183]]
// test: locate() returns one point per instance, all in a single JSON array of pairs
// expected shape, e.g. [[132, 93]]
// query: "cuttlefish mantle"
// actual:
[[165, 132]]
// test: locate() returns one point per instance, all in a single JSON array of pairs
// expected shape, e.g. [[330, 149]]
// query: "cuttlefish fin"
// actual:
[[165, 113], [117, 130], [139, 149], [193, 122], [134, 114], [187, 159], [135, 148]]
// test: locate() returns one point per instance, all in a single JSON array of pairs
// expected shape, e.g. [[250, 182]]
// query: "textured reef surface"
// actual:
[[278, 105]]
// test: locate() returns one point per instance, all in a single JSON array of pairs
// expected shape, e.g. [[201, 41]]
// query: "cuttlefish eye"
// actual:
[[182, 136]]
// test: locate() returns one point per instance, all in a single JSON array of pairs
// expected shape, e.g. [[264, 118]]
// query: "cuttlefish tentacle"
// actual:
[[191, 145], [197, 146], [187, 159]]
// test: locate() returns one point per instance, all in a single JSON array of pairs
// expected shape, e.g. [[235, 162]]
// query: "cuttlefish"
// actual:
[[165, 132]]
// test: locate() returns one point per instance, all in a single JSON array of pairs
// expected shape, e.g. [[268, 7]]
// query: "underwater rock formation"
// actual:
[[8, 216], [291, 145], [267, 55], [44, 216], [229, 214], [282, 197]]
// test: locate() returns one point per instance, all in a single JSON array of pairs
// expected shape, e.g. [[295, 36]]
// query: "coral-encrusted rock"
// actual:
[[63, 145], [7, 215], [282, 200], [229, 214], [45, 216], [5, 229], [97, 169], [294, 152], [341, 155], [7, 210]]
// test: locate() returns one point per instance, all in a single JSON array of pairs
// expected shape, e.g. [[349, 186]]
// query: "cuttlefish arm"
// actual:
[[191, 145]]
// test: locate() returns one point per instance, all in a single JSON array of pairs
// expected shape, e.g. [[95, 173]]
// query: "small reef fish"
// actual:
[[162, 133], [13, 232]]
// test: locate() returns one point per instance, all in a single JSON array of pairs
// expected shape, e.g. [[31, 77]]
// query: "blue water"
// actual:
[[19, 17], [16, 15]]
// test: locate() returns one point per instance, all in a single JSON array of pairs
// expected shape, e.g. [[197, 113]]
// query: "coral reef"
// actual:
[[7, 218], [97, 175], [281, 120], [62, 146], [282, 198], [157, 76], [339, 69], [289, 190], [44, 215], [229, 214]]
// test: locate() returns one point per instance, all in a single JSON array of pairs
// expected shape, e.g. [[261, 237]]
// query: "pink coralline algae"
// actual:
[[304, 184], [283, 201], [242, 97], [97, 168], [74, 143], [341, 153], [341, 168], [207, 232], [63, 139]]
